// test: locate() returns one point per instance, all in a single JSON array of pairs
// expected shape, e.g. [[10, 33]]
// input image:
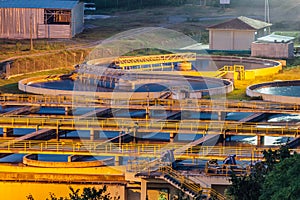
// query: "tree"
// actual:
[[248, 187], [274, 157], [283, 182], [87, 194], [162, 196], [53, 197]]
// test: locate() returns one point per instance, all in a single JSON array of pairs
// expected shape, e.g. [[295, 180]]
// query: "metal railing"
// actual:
[[128, 149], [186, 183], [227, 170], [154, 59], [152, 125], [186, 104]]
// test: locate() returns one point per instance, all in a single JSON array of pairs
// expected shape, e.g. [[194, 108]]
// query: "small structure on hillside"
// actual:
[[224, 2], [24, 19], [273, 46], [236, 34]]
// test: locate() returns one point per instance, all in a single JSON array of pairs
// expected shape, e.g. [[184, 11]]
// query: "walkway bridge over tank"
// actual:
[[154, 150], [197, 105], [151, 125]]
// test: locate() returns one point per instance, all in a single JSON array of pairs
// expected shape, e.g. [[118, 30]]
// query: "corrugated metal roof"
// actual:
[[55, 4], [241, 23], [275, 38], [256, 24]]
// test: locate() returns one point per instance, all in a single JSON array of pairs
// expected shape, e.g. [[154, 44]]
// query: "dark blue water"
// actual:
[[210, 65], [236, 116], [19, 131], [82, 111], [186, 115], [151, 87], [8, 109], [71, 85], [132, 114], [18, 158], [47, 110], [93, 158], [293, 91], [67, 84], [197, 115], [79, 133], [188, 137], [55, 158], [193, 85], [108, 135]]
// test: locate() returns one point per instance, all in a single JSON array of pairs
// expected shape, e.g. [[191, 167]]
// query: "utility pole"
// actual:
[[267, 13], [31, 32]]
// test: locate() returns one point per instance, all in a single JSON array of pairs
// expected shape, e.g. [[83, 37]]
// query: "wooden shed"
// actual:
[[24, 19], [236, 34]]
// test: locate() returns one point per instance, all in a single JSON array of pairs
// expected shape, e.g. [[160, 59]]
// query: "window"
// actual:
[[57, 16]]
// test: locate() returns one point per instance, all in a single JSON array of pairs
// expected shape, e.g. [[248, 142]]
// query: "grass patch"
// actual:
[[288, 73], [60, 59], [12, 48], [238, 94], [147, 51]]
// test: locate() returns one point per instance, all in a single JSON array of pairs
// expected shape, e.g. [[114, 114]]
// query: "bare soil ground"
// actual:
[[193, 18], [190, 19]]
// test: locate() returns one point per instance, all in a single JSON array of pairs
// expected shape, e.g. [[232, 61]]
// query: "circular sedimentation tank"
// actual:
[[197, 88], [276, 91], [98, 78], [33, 160]]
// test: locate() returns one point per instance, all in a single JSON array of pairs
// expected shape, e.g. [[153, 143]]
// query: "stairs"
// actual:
[[187, 185], [181, 182], [221, 74], [165, 94], [236, 69]]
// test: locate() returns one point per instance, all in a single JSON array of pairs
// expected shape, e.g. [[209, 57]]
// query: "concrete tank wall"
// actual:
[[23, 86], [250, 91], [31, 160]]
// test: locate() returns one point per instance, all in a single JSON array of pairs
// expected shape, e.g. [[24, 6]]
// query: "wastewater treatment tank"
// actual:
[[276, 91], [200, 77]]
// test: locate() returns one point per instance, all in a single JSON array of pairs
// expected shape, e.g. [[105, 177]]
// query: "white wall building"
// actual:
[[236, 34]]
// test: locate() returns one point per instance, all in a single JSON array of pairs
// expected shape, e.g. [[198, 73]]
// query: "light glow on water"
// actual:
[[268, 140], [293, 90], [284, 118]]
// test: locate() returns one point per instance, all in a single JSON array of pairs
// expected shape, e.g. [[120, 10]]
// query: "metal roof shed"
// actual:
[[236, 34], [273, 46], [273, 38], [21, 19]]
